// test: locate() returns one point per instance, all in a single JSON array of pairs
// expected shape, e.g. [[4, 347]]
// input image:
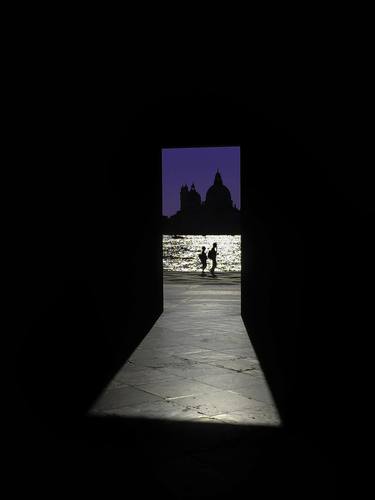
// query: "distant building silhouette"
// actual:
[[189, 200], [216, 215]]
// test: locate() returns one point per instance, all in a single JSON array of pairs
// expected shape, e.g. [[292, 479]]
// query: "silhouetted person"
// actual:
[[203, 259], [212, 255]]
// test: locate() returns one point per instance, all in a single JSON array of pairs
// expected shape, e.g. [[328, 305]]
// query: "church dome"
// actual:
[[218, 196]]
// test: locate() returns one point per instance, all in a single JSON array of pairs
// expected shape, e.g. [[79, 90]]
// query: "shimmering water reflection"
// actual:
[[181, 253]]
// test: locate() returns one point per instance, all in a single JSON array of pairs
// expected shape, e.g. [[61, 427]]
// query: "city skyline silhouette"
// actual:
[[198, 166]]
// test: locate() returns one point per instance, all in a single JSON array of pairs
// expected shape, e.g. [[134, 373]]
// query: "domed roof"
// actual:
[[218, 195], [221, 191]]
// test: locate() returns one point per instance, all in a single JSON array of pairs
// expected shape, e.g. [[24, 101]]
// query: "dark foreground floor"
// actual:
[[134, 458]]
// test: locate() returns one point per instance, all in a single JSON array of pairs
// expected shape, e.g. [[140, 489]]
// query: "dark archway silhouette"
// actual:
[[86, 308]]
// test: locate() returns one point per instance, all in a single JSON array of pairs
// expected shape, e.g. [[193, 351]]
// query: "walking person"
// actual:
[[212, 255], [203, 259]]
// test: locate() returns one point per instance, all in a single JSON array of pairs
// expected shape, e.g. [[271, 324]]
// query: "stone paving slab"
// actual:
[[217, 402], [154, 409], [144, 376], [124, 396], [177, 388]]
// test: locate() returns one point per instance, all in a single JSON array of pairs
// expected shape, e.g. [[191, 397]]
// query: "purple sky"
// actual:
[[198, 165]]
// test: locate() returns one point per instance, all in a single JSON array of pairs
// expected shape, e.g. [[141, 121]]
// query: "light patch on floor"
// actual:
[[196, 364]]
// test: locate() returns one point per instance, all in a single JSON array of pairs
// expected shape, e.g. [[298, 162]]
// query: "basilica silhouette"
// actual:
[[216, 215]]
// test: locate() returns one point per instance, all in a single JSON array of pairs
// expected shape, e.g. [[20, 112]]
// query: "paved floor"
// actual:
[[197, 362]]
